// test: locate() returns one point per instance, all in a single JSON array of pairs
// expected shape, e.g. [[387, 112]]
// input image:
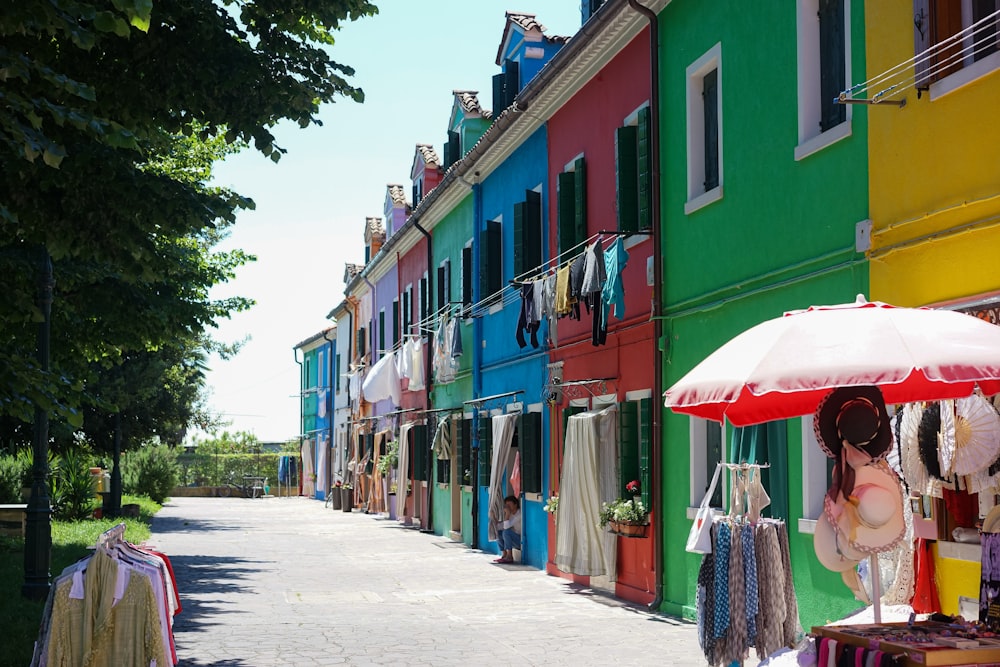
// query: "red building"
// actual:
[[599, 169]]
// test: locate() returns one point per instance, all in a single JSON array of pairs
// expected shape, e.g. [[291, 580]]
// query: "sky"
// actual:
[[311, 206]]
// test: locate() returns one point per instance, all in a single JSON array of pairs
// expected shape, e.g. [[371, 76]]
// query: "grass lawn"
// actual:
[[20, 618]]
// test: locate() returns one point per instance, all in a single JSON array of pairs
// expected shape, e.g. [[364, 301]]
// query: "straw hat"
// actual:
[[872, 517], [832, 548]]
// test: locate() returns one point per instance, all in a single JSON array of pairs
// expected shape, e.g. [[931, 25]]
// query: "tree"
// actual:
[[114, 113]]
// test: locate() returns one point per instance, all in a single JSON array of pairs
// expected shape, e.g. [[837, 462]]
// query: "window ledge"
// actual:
[[822, 140], [807, 526], [965, 76], [702, 200]]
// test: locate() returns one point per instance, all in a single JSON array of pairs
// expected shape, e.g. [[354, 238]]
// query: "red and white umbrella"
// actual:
[[783, 367]]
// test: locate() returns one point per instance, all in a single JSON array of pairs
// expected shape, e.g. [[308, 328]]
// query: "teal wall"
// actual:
[[780, 238]]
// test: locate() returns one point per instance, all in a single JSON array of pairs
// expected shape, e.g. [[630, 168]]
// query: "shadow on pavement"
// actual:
[[173, 524], [208, 586]]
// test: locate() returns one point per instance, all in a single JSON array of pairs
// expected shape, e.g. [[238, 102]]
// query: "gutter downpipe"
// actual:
[[427, 376], [302, 417], [657, 430], [333, 406], [477, 357]]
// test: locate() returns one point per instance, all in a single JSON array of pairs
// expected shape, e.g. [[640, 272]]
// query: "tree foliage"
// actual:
[[113, 113]]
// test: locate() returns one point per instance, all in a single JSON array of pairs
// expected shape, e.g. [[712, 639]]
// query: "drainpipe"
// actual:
[[657, 430], [302, 417], [427, 375], [333, 407], [477, 355]]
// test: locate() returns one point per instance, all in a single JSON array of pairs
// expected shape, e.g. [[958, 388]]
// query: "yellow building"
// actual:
[[934, 177]]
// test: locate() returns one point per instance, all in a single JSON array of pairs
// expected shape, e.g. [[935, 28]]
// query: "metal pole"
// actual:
[[38, 527]]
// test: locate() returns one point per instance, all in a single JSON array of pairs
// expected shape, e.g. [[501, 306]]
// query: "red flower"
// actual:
[[633, 486]]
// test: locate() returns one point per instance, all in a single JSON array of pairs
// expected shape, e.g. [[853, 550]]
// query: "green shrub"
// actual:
[[11, 479], [71, 486], [150, 471], [219, 469]]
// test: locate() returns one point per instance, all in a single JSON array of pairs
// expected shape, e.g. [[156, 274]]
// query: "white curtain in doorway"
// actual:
[[589, 478], [308, 469], [323, 466], [402, 478], [503, 436]]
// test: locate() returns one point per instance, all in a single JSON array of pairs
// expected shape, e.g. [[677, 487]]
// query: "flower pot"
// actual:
[[346, 499], [636, 499], [392, 506], [336, 497], [628, 528]]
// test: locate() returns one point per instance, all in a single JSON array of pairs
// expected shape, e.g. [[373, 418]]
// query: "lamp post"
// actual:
[[38, 528]]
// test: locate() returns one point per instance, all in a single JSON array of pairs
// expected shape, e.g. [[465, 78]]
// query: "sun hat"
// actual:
[[872, 516], [857, 416], [827, 544]]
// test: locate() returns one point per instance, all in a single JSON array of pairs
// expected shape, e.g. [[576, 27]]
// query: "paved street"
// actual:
[[288, 582]]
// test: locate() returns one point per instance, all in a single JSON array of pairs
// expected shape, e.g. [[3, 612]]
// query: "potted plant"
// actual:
[[625, 517], [392, 501], [552, 506], [335, 495], [347, 497], [635, 488]]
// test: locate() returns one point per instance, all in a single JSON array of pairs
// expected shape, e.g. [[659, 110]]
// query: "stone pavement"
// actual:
[[285, 581]]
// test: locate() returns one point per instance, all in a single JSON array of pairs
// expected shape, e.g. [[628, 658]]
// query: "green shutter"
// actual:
[[418, 435], [831, 63], [628, 445], [710, 99], [467, 276], [533, 230], [465, 451], [625, 178], [381, 332], [361, 342], [645, 449], [441, 299], [520, 265], [453, 149], [580, 201], [485, 449], [530, 440], [644, 169], [567, 211], [395, 322], [499, 103]]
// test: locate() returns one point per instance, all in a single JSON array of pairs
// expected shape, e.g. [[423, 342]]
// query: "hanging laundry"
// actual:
[[383, 381], [594, 271], [515, 475], [527, 320], [415, 352], [456, 341], [321, 403], [404, 361], [563, 302], [613, 293], [539, 288]]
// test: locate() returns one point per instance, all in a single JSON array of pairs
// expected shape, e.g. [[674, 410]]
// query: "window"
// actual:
[[633, 173], [336, 371], [814, 472], [704, 130], [361, 342], [824, 64], [452, 149], [443, 471], [491, 262], [706, 438], [407, 299], [530, 443], [589, 7], [381, 333], [766, 443], [467, 278], [635, 420], [572, 206], [528, 234], [935, 21], [444, 284], [506, 86], [418, 191]]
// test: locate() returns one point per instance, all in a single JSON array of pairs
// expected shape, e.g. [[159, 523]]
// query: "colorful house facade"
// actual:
[[316, 401], [764, 190], [935, 198]]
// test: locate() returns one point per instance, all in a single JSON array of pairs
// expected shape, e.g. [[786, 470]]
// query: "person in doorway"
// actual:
[[509, 530]]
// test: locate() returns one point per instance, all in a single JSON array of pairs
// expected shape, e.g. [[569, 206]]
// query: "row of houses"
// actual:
[[714, 164]]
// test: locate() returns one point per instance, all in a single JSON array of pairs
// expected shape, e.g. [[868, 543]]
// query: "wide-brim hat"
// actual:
[[856, 415], [872, 517], [831, 547]]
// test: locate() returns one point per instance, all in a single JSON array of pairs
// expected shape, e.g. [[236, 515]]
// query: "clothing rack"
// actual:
[[111, 536]]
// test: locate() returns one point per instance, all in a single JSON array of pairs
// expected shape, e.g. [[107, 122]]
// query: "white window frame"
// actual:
[[811, 138], [472, 273], [814, 480], [603, 401], [698, 473], [695, 73], [971, 70]]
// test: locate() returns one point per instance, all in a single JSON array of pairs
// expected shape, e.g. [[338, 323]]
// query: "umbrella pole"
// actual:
[[876, 577]]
